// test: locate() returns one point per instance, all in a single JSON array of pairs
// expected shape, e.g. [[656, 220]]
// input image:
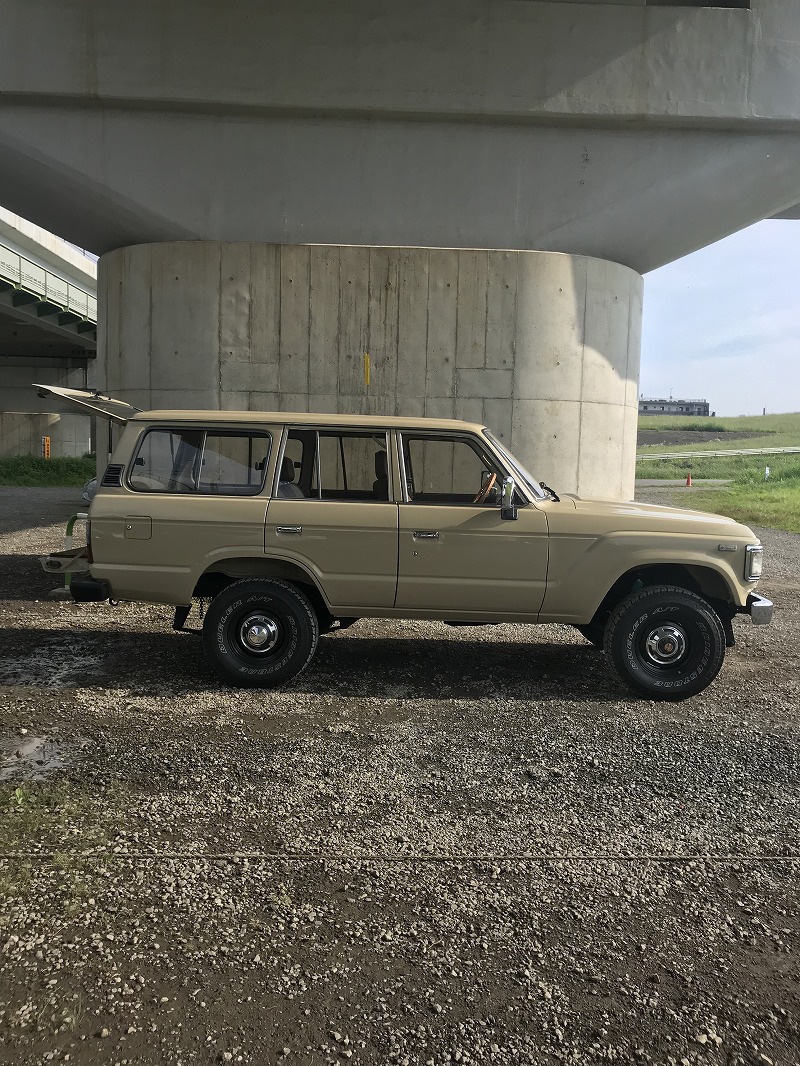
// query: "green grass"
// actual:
[[734, 467], [36, 816], [773, 504], [749, 499], [704, 425], [754, 501], [30, 471], [772, 431]]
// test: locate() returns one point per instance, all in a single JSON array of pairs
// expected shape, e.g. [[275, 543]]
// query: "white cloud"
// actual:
[[724, 323]]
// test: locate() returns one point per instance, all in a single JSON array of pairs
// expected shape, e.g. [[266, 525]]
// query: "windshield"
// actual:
[[517, 469]]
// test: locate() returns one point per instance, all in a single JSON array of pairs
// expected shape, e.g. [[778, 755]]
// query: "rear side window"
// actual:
[[204, 462], [335, 465]]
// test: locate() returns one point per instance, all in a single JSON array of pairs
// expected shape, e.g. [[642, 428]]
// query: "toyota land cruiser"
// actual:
[[293, 524]]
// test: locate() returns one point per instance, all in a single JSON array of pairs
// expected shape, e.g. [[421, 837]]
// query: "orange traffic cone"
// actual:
[[689, 480]]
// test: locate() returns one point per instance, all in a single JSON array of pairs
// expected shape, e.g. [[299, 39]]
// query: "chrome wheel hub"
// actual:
[[258, 633], [666, 645]]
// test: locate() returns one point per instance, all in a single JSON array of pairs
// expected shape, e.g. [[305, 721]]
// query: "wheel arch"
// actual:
[[702, 580], [222, 573]]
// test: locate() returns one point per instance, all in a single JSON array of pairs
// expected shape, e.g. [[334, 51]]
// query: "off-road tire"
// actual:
[[260, 632], [666, 643]]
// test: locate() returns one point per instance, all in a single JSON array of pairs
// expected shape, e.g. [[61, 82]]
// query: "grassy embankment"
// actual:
[[749, 498], [31, 471]]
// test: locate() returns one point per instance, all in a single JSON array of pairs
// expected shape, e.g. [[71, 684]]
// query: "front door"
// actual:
[[456, 553]]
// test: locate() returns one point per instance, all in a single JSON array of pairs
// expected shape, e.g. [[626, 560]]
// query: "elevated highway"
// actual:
[[48, 332], [468, 190]]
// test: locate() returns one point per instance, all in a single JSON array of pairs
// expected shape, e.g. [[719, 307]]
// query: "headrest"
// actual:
[[287, 469], [381, 465]]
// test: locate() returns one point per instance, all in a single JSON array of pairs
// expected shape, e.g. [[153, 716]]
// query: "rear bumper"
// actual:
[[759, 608], [71, 561], [87, 589]]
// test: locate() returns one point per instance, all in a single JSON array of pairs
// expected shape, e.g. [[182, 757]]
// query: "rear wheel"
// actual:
[[666, 643], [260, 632]]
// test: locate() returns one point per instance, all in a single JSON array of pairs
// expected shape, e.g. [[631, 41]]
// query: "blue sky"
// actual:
[[723, 324]]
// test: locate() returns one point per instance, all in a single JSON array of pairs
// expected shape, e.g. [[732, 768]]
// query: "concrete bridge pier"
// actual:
[[541, 346]]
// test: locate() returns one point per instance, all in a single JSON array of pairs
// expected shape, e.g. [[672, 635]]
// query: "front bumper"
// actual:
[[759, 608]]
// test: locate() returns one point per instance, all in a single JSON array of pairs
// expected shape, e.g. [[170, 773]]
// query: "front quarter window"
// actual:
[[522, 475]]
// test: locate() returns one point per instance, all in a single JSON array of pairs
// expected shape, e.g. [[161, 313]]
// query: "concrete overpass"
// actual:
[[468, 190], [48, 333]]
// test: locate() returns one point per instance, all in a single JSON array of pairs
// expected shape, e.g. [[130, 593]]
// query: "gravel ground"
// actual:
[[402, 744]]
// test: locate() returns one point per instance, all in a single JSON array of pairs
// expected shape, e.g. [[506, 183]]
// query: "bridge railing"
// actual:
[[45, 284]]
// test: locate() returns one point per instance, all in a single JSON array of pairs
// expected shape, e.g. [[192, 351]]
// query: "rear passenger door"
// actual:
[[332, 511]]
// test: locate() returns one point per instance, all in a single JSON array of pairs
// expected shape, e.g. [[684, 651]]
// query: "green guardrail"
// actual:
[[31, 278]]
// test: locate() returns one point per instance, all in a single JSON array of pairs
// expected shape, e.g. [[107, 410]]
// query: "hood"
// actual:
[[624, 515]]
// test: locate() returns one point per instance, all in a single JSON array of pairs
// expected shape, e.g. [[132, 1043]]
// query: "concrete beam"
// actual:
[[631, 133], [456, 58]]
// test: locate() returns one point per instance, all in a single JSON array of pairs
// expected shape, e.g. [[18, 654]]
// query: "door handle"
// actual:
[[289, 529], [425, 534]]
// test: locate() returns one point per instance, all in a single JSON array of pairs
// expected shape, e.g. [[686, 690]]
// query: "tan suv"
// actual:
[[293, 524]]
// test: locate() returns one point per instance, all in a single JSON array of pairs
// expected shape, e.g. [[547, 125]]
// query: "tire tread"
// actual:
[[648, 594], [308, 615]]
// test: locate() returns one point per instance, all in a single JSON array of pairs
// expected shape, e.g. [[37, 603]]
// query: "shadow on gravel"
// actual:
[[32, 508], [395, 668], [22, 578]]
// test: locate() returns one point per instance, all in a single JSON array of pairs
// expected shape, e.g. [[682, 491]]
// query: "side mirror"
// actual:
[[508, 509]]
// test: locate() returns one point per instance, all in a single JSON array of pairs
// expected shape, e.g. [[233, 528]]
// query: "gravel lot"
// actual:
[[407, 743]]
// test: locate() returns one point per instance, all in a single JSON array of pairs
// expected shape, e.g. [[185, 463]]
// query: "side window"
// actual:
[[197, 461], [353, 466], [233, 464], [449, 470], [166, 461], [331, 465]]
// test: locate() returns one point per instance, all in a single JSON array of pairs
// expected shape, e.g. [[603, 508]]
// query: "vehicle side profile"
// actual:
[[292, 524]]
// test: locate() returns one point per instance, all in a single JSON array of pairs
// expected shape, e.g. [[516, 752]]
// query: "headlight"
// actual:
[[753, 562]]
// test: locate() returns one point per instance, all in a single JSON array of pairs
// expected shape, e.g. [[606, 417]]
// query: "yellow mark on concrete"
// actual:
[[366, 368]]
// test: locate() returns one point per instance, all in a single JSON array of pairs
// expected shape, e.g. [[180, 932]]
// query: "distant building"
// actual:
[[650, 406]]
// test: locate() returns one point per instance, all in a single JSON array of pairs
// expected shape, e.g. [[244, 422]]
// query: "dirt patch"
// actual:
[[335, 872], [665, 437]]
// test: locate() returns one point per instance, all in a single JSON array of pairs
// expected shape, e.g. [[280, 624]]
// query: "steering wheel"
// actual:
[[491, 481]]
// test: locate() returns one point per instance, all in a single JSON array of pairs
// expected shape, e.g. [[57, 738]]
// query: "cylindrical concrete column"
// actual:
[[542, 347]]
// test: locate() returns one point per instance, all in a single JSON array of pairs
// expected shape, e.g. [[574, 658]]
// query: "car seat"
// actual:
[[287, 490], [380, 487]]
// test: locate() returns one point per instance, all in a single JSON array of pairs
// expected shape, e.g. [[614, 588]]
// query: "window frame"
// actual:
[[479, 446], [334, 431], [205, 430]]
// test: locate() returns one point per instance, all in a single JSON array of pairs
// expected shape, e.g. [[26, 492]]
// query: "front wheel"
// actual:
[[260, 632], [666, 643]]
